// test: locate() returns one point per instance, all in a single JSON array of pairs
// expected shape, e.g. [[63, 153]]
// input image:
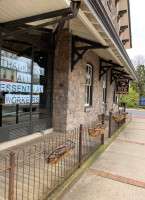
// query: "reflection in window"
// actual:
[[15, 95], [88, 89], [12, 75], [4, 73], [18, 103]]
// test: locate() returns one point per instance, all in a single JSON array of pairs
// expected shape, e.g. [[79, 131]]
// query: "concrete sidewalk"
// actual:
[[119, 173]]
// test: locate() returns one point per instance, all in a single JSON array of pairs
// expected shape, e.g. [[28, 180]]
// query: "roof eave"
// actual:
[[102, 16]]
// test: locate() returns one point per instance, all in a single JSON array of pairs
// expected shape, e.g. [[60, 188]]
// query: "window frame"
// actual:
[[89, 95], [4, 74], [12, 75]]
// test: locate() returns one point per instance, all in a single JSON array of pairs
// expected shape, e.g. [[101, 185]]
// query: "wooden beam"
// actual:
[[18, 22]]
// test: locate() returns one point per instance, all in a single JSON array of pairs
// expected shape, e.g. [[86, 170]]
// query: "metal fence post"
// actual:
[[110, 120], [125, 115], [118, 122], [11, 176], [102, 136], [0, 115], [80, 145], [17, 112], [124, 108]]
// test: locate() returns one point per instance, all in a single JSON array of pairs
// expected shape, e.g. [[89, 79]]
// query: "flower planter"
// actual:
[[118, 118], [59, 153], [125, 114], [98, 130]]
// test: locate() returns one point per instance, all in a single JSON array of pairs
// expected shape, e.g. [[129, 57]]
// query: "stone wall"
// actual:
[[61, 73], [77, 113], [69, 109]]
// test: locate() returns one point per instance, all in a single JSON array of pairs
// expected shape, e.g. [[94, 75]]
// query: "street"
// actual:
[[136, 112]]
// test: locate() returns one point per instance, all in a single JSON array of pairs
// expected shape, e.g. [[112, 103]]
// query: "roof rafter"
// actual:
[[18, 22]]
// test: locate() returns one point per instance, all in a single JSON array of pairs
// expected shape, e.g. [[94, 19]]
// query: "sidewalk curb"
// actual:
[[80, 171]]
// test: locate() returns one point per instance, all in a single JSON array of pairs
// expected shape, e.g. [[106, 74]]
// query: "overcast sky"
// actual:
[[137, 8]]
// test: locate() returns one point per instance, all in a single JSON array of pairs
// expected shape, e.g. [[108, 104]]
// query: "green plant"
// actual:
[[131, 99]]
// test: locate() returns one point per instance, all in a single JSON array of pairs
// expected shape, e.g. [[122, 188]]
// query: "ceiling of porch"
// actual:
[[84, 25]]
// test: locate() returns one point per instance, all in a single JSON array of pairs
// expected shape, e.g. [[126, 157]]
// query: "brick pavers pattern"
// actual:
[[131, 141], [116, 178]]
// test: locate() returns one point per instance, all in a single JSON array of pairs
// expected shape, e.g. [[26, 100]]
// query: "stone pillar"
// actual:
[[61, 73]]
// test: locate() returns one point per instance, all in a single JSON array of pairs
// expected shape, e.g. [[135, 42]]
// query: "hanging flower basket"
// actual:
[[125, 114], [59, 153], [98, 130], [118, 118]]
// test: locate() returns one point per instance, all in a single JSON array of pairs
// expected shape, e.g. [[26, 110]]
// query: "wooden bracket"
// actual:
[[122, 29], [120, 14], [125, 41], [115, 74], [78, 52], [116, 1], [103, 69]]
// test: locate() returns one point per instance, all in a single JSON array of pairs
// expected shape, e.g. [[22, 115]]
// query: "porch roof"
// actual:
[[87, 24], [16, 9]]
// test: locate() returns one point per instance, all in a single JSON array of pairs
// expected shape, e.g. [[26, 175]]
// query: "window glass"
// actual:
[[42, 81], [88, 89], [12, 75], [15, 88], [26, 89]]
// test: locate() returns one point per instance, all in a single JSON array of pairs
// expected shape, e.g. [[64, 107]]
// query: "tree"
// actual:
[[138, 60], [131, 99], [139, 86]]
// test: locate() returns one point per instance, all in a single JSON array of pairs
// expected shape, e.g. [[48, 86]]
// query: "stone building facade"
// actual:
[[75, 86], [112, 11], [69, 88], [118, 12]]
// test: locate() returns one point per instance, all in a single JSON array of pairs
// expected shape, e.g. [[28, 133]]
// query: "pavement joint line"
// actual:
[[135, 116], [137, 128], [116, 178], [129, 141]]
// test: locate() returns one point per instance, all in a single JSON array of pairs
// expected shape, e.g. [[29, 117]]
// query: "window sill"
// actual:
[[88, 109]]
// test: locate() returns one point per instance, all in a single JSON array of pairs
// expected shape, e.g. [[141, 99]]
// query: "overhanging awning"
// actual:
[[88, 24]]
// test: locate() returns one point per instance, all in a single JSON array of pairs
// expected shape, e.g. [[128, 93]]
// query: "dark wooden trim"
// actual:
[[57, 33], [122, 29], [103, 69], [78, 52], [120, 14], [18, 22], [125, 41], [116, 1]]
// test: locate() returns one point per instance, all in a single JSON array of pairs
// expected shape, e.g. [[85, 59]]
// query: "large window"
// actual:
[[88, 89], [25, 89]]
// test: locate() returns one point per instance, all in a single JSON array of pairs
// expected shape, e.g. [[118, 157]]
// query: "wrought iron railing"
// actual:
[[36, 172]]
